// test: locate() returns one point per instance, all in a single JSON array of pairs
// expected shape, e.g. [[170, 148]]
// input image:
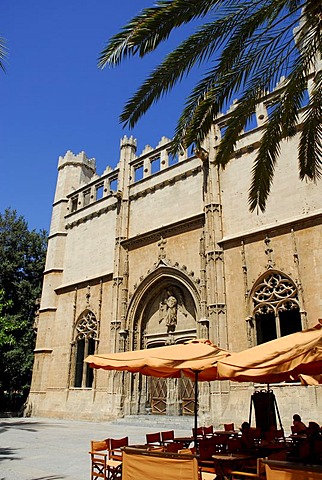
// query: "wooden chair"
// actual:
[[115, 448], [220, 443], [138, 464], [255, 433], [234, 445], [229, 426], [153, 438], [258, 475], [205, 460], [173, 447], [99, 458], [208, 432], [199, 432], [167, 436], [279, 436]]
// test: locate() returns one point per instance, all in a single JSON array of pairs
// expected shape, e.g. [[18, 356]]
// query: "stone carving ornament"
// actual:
[[171, 302]]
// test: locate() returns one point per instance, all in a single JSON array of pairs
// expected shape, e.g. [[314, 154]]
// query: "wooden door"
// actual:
[[187, 394], [158, 393]]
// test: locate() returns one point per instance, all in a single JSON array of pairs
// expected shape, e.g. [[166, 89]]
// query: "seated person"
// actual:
[[247, 440], [313, 431], [298, 427], [309, 452]]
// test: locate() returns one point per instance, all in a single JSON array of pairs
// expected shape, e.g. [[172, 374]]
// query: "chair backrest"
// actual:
[[199, 432], [174, 447], [279, 434], [228, 427], [255, 435], [115, 447], [208, 431], [255, 432], [220, 442], [317, 446], [206, 449], [153, 438], [142, 465], [234, 445], [98, 452], [99, 445], [167, 436]]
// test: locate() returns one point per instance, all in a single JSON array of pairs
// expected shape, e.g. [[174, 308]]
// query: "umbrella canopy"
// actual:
[[169, 361], [278, 360], [310, 379], [196, 359]]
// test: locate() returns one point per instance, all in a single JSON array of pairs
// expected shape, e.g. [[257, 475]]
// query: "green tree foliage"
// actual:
[[247, 47], [22, 260]]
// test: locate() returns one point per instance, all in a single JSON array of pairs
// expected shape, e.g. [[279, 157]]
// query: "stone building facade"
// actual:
[[163, 249]]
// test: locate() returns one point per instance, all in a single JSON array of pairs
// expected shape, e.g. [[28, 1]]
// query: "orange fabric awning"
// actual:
[[168, 361], [278, 360]]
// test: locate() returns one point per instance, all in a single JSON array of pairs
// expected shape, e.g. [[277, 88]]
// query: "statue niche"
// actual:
[[171, 302]]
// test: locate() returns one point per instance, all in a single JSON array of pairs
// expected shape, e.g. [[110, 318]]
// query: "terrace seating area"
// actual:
[[218, 454]]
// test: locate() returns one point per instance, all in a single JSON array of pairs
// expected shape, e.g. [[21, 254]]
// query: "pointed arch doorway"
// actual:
[[163, 312]]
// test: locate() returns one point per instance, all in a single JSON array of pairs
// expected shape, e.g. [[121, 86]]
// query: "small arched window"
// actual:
[[86, 333], [276, 307]]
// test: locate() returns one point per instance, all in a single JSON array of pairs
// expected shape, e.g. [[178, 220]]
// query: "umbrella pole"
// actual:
[[196, 410]]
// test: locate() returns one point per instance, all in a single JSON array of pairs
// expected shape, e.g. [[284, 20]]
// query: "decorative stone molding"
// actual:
[[86, 218], [164, 183], [115, 325], [164, 232]]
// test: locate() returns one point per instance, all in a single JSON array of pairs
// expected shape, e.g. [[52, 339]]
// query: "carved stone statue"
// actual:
[[171, 301]]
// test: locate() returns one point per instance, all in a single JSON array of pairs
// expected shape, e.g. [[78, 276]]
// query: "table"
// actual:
[[229, 433], [185, 440], [228, 461], [267, 449]]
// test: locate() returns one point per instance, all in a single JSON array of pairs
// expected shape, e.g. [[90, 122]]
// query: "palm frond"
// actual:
[[152, 26], [310, 147], [250, 45], [3, 53], [264, 165]]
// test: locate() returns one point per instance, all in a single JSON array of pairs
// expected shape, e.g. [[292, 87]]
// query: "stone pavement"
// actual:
[[51, 449]]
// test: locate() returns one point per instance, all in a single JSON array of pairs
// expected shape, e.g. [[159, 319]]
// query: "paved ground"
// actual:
[[50, 449]]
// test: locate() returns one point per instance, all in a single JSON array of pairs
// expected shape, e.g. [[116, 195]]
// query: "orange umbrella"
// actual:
[[281, 359], [168, 362], [195, 359], [310, 379]]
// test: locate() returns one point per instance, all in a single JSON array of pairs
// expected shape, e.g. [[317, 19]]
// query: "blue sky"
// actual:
[[54, 98]]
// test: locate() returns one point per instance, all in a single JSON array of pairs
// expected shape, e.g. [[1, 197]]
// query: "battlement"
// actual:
[[80, 159]]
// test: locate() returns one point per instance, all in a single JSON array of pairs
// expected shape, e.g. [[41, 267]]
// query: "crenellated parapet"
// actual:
[[81, 159]]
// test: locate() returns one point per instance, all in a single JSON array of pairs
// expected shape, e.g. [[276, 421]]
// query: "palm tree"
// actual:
[[247, 47]]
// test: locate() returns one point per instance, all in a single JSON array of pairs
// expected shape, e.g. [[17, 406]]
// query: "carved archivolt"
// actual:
[[274, 293], [162, 296]]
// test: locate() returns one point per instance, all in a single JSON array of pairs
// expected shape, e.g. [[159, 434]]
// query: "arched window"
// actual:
[[86, 333], [276, 307]]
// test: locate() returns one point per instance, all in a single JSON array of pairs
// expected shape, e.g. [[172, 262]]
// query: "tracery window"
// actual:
[[86, 333], [276, 307]]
